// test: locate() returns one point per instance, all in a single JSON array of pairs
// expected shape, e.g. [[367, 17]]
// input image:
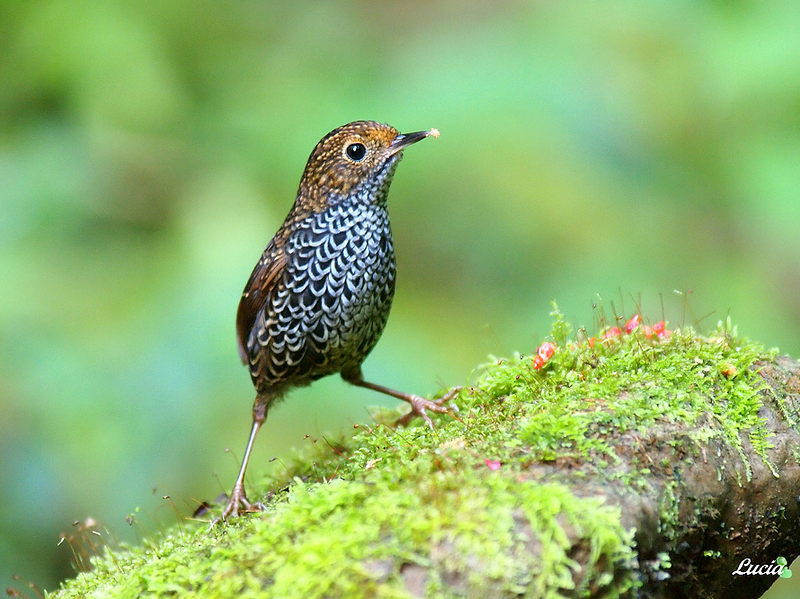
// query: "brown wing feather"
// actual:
[[263, 279]]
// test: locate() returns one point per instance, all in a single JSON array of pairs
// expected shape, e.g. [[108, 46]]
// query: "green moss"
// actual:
[[353, 523], [321, 539], [585, 395]]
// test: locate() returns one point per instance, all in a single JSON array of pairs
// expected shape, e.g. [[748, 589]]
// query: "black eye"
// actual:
[[356, 151]]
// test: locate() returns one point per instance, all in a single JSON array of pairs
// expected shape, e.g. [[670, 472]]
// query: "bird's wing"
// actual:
[[264, 278]]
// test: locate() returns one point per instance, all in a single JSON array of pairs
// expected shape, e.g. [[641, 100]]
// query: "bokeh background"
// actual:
[[149, 150]]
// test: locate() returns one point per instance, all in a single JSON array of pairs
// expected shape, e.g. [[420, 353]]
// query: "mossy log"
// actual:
[[630, 466]]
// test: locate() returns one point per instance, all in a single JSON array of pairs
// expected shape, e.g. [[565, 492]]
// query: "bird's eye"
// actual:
[[356, 151]]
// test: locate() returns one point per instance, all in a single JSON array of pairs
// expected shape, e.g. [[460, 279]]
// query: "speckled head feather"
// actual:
[[348, 156]]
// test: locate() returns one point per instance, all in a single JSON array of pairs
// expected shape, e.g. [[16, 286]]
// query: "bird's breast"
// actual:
[[345, 246], [334, 299]]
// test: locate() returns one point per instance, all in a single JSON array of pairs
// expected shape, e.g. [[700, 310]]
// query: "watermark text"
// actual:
[[776, 567]]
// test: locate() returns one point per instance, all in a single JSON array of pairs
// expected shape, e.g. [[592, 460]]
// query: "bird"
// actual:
[[320, 295]]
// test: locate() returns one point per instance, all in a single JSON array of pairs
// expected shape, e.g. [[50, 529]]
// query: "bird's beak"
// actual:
[[406, 139]]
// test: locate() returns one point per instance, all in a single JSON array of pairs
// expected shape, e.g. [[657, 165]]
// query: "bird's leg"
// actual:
[[419, 405], [238, 500]]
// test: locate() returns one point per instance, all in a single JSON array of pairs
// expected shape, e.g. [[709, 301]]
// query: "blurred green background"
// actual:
[[148, 152]]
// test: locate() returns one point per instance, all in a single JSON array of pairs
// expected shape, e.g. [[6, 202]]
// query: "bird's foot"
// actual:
[[420, 407], [237, 504]]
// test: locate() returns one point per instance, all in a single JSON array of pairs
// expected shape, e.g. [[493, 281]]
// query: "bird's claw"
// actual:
[[237, 504], [420, 406]]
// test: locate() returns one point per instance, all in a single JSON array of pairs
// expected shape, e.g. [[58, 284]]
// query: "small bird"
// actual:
[[320, 295]]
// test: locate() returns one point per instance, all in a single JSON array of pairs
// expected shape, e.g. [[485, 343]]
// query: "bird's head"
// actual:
[[352, 156]]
